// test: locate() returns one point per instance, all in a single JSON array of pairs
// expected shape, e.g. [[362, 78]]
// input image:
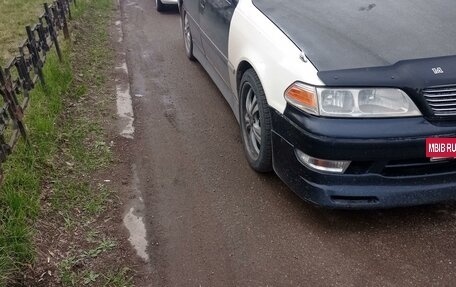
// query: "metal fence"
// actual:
[[22, 73]]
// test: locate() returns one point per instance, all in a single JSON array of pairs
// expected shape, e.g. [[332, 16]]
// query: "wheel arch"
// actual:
[[243, 66]]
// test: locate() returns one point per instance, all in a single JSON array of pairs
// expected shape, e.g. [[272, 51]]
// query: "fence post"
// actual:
[[50, 22], [5, 149], [36, 60], [23, 72], [9, 97], [61, 7], [56, 15], [68, 4], [42, 35]]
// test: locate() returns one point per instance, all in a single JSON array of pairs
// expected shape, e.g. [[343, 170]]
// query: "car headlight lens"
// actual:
[[367, 102]]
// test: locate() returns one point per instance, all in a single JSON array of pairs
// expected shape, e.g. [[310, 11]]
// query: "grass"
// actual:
[[118, 278], [66, 148], [70, 277], [19, 194], [14, 16]]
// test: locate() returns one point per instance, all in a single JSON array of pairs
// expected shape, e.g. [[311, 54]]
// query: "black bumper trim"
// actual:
[[359, 191], [358, 139]]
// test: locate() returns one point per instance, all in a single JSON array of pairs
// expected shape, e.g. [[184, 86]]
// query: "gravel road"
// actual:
[[212, 221]]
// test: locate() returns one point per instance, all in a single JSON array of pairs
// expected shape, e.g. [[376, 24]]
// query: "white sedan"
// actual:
[[339, 98]]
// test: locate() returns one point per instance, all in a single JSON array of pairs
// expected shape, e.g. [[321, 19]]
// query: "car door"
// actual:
[[192, 8], [215, 19]]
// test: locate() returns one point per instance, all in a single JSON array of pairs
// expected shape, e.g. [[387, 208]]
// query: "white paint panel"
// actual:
[[169, 2], [276, 60]]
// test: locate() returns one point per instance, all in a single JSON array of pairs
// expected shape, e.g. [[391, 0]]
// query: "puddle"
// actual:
[[125, 111], [123, 96], [119, 31], [134, 219]]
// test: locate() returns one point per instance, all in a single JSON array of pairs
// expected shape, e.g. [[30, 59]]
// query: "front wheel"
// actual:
[[187, 33], [255, 119]]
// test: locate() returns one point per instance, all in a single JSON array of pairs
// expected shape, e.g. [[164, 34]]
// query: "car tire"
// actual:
[[160, 6], [255, 120], [187, 34]]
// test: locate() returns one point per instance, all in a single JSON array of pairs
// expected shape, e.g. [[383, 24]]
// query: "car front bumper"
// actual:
[[388, 169]]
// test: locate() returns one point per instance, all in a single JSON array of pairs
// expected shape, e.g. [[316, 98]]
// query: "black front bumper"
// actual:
[[388, 169]]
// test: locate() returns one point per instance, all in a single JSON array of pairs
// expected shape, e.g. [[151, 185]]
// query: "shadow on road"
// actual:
[[363, 220], [377, 220]]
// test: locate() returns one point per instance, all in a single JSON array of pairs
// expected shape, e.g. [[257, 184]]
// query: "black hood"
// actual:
[[337, 34]]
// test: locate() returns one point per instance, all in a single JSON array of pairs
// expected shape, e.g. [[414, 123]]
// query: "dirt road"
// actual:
[[212, 221]]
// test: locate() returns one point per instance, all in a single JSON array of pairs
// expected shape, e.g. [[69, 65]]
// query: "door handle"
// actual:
[[203, 4]]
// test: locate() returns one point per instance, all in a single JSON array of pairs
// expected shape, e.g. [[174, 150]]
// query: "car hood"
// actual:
[[337, 34]]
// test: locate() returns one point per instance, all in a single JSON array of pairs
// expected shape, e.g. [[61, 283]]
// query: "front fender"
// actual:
[[276, 59]]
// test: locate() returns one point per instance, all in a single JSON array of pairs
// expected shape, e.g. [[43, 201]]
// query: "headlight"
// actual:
[[367, 102]]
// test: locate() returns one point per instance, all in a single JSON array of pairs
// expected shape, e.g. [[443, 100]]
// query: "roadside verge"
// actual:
[[62, 198]]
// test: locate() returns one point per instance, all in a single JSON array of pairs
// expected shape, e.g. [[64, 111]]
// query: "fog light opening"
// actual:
[[330, 166]]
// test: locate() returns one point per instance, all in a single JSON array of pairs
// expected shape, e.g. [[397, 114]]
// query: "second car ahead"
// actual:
[[162, 5]]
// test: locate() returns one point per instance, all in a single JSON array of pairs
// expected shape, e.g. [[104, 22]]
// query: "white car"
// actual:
[[337, 97], [161, 5]]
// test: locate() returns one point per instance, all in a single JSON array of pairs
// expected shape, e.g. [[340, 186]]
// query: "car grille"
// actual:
[[418, 167], [442, 100], [404, 168]]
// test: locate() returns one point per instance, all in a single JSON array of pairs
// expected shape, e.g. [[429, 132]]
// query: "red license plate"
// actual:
[[441, 147]]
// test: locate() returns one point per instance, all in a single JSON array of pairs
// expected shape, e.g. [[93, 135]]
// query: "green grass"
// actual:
[[64, 149], [14, 16], [118, 278], [70, 277], [25, 170]]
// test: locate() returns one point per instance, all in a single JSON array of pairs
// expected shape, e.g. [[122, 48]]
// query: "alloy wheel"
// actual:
[[252, 121], [187, 34]]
